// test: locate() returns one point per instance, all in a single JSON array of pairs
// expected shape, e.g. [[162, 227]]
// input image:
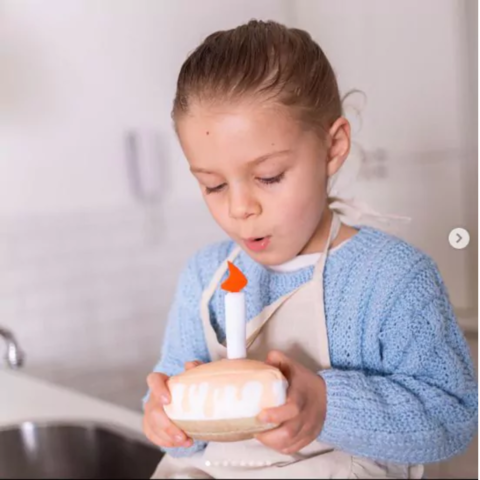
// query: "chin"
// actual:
[[269, 259]]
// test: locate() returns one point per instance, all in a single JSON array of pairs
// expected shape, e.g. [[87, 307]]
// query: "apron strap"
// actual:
[[332, 235], [356, 211], [268, 312], [319, 301]]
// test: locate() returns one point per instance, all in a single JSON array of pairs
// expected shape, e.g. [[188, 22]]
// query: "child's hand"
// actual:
[[158, 428], [301, 418]]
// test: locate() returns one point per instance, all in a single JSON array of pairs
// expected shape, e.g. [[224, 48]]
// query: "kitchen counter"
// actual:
[[26, 399]]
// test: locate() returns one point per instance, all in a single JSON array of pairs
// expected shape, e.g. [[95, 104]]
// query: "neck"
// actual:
[[318, 240]]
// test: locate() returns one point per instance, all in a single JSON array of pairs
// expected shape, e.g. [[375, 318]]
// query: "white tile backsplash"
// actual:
[[88, 294]]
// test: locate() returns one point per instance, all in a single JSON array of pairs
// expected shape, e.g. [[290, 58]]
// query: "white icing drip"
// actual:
[[280, 391], [199, 393], [177, 391], [226, 403]]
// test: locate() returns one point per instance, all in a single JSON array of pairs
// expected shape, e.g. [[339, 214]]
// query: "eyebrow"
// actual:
[[256, 161]]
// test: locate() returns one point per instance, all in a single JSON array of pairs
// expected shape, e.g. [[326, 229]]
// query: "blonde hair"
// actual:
[[264, 60]]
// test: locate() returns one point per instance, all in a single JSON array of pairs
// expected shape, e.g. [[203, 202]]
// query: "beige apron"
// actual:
[[296, 325]]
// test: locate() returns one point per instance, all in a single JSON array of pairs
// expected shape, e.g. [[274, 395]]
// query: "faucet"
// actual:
[[15, 357]]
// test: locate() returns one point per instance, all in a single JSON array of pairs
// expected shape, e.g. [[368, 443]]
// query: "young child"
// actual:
[[381, 380]]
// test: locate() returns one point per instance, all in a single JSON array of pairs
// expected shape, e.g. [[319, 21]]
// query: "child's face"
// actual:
[[262, 175]]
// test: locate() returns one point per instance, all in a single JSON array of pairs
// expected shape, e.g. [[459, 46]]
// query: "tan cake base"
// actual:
[[219, 401], [232, 430]]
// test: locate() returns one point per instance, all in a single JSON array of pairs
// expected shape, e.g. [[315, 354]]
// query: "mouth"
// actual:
[[257, 244]]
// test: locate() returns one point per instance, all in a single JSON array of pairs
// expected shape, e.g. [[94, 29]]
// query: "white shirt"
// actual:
[[302, 261]]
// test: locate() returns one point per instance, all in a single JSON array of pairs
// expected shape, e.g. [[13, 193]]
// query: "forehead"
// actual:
[[244, 130]]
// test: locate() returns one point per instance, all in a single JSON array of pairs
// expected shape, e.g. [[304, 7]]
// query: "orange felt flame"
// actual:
[[236, 279]]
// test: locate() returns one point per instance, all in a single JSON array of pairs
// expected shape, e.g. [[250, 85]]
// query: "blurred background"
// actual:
[[98, 211]]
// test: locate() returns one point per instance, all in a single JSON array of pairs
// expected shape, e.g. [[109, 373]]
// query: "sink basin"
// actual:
[[71, 451]]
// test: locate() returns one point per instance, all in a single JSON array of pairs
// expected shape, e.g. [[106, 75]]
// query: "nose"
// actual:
[[242, 204]]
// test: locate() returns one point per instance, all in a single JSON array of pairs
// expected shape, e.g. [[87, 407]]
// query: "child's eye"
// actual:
[[216, 189], [269, 181]]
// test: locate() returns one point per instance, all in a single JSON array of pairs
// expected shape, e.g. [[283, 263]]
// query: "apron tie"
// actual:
[[356, 210]]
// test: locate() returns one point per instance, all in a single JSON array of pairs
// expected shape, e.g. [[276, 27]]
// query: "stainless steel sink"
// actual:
[[71, 451]]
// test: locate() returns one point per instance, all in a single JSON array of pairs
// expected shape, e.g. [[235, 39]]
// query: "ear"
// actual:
[[339, 146]]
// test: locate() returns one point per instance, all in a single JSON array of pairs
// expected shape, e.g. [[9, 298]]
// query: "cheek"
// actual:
[[304, 211], [218, 209], [304, 201]]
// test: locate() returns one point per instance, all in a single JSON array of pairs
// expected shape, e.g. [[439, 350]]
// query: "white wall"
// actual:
[[76, 74], [412, 61], [470, 100], [87, 272]]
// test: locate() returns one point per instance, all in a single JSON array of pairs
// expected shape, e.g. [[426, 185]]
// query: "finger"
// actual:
[[281, 437], [298, 445], [176, 434], [157, 382], [281, 414], [164, 440], [195, 363], [167, 437], [157, 439], [162, 425], [278, 359]]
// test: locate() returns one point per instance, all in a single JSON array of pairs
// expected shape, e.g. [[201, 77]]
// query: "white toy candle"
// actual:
[[235, 314], [236, 325]]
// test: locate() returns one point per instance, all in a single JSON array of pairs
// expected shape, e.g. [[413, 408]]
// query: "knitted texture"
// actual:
[[402, 387]]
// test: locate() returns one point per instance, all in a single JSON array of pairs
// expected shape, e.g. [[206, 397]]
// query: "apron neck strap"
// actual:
[[332, 235], [356, 212]]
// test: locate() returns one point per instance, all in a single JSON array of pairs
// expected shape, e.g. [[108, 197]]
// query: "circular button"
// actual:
[[459, 238]]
